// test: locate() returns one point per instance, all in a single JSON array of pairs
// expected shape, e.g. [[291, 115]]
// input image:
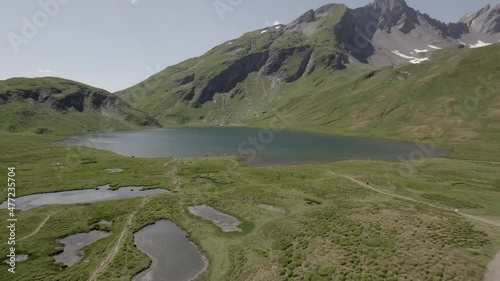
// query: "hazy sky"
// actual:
[[114, 44]]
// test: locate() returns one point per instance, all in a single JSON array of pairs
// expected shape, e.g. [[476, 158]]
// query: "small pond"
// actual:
[[102, 193], [173, 256], [73, 244], [226, 222]]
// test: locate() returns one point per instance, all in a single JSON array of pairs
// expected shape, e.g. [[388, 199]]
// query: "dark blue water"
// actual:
[[261, 147]]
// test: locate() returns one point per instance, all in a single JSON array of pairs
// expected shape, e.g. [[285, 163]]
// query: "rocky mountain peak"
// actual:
[[389, 5], [472, 15], [325, 40], [388, 13], [485, 20], [309, 16]]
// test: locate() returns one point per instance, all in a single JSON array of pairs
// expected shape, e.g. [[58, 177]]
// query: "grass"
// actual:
[[60, 106], [333, 229], [164, 94], [450, 101]]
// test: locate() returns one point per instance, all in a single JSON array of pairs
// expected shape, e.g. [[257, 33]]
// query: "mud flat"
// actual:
[[271, 208], [226, 222]]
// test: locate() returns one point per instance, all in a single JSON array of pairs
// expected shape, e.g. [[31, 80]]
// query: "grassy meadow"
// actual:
[[434, 219], [333, 229]]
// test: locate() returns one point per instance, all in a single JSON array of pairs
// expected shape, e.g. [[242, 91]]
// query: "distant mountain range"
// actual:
[[383, 69], [322, 41], [388, 32]]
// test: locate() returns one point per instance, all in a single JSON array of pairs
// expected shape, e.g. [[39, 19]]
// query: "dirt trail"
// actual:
[[493, 273], [481, 219], [387, 193], [176, 180], [101, 268], [476, 218], [38, 228]]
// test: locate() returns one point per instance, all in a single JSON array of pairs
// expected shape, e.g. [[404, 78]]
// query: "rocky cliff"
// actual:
[[76, 107], [324, 41]]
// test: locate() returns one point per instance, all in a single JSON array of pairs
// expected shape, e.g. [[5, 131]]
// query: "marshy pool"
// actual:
[[102, 193], [73, 244], [261, 146], [226, 222], [173, 256]]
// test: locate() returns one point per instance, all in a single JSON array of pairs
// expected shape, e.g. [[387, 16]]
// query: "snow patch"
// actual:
[[434, 47], [230, 43], [421, 51], [479, 44], [413, 60], [417, 60], [278, 27], [263, 31], [396, 52]]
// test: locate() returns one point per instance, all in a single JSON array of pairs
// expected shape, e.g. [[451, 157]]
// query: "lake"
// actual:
[[260, 146], [173, 256]]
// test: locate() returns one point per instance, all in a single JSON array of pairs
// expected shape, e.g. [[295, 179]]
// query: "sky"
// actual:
[[114, 44]]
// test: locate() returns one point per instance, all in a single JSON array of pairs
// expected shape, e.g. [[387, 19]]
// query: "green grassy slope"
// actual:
[[457, 94], [451, 100], [54, 105], [299, 71], [182, 94], [333, 228]]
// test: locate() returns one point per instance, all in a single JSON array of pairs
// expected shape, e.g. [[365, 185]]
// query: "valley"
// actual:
[[337, 222], [349, 144]]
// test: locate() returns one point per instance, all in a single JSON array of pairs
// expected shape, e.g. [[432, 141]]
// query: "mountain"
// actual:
[[486, 20], [316, 69], [282, 54], [389, 32], [54, 105]]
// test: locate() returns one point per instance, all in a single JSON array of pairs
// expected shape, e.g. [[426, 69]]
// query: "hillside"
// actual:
[[410, 75], [54, 105], [251, 204], [281, 53]]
